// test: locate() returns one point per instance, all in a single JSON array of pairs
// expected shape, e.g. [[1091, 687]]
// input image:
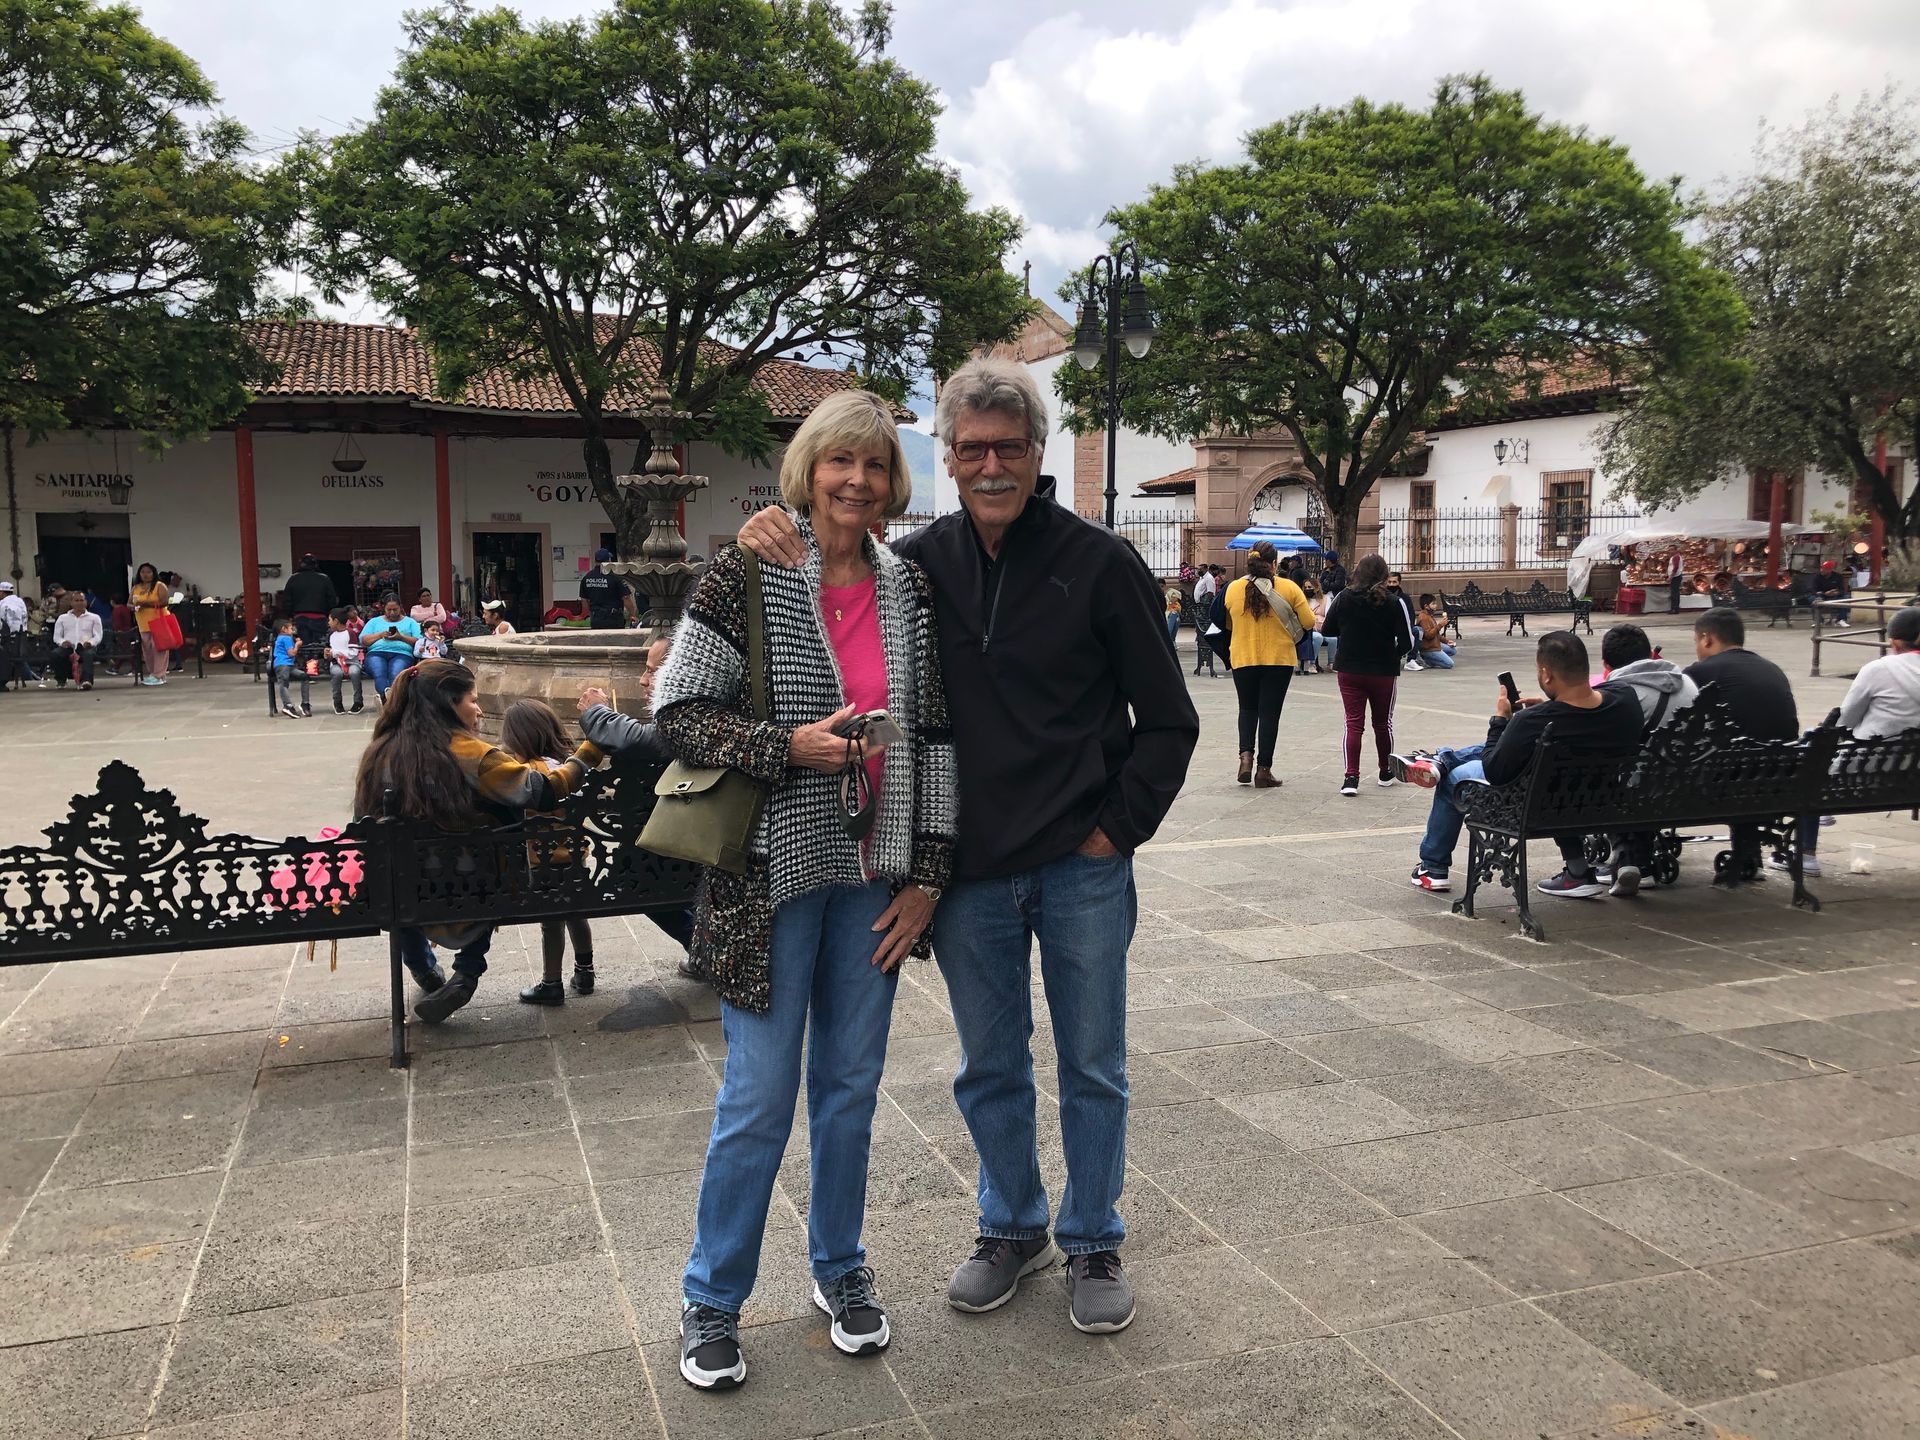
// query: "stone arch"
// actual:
[[1274, 480]]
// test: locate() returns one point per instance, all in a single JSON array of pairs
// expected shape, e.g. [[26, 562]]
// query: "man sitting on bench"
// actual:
[[1593, 723]]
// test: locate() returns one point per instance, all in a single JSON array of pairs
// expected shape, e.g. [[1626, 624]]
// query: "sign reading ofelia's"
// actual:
[[80, 484]]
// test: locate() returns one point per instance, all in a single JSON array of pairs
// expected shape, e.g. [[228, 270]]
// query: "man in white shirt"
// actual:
[[1204, 589], [13, 635], [75, 633]]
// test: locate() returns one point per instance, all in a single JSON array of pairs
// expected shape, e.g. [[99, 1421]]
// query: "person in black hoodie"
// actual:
[[310, 597], [1072, 740], [1592, 722], [1372, 631]]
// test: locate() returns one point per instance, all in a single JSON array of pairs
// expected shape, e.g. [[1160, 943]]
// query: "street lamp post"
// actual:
[[1125, 318]]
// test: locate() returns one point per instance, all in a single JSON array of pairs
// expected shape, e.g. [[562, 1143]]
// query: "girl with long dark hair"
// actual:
[[531, 731], [1263, 656], [1371, 627], [427, 762]]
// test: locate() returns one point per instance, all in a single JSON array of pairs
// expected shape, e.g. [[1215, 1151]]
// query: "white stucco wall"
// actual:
[[1462, 468], [184, 510]]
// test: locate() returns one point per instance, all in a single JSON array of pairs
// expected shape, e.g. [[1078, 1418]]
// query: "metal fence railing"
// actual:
[[1541, 538], [1163, 538]]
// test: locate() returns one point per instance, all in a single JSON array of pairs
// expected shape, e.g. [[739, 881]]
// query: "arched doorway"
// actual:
[[1286, 501]]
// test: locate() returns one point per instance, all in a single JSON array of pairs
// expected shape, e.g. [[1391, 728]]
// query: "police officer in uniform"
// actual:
[[609, 598]]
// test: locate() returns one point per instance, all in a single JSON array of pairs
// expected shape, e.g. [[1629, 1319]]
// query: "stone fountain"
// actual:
[[556, 665]]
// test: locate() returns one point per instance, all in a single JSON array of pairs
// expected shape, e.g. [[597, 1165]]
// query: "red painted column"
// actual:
[[249, 528], [1776, 514], [443, 516]]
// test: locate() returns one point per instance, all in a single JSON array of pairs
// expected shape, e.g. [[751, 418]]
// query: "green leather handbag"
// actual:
[[707, 815]]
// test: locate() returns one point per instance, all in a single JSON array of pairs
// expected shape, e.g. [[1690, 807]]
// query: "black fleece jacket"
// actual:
[[1068, 706]]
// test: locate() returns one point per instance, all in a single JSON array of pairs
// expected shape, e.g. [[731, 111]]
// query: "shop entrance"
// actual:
[[86, 552], [506, 567], [365, 562]]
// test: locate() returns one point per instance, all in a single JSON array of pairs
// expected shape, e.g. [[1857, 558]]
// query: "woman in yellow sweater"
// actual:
[[150, 596], [1263, 657]]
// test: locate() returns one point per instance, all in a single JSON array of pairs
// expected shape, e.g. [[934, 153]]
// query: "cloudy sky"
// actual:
[[1059, 110]]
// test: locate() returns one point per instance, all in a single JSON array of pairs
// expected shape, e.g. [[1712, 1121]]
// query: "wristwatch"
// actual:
[[932, 892]]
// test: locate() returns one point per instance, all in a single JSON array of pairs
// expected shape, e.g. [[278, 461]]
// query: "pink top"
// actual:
[[853, 629]]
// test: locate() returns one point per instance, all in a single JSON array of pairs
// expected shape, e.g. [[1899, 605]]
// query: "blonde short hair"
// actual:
[[848, 418]]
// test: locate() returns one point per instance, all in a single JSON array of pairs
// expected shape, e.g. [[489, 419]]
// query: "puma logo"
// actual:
[[1065, 586]]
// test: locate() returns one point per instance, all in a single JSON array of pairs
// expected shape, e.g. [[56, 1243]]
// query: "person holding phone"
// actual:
[[1593, 722], [851, 852]]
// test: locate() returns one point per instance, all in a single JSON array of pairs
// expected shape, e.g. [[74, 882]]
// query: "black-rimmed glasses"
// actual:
[[974, 451]]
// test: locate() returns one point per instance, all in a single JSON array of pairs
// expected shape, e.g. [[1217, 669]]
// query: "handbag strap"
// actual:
[[756, 639]]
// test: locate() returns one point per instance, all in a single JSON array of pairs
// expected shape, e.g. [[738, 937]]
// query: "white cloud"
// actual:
[[1086, 108]]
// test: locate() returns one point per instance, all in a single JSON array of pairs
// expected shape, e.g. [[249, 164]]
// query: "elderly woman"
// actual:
[[848, 859]]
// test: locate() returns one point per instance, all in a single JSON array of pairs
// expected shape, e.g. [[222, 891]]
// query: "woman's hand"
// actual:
[[591, 696], [816, 747], [902, 922]]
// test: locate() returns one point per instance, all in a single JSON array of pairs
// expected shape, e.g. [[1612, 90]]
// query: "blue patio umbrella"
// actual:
[[1285, 538]]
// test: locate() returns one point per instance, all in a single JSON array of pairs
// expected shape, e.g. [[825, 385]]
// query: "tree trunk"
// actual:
[[1343, 512], [629, 516]]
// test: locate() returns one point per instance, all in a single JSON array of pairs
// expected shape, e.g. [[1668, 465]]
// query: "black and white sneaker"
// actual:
[[710, 1357], [1349, 784], [859, 1320], [1387, 779], [1573, 887]]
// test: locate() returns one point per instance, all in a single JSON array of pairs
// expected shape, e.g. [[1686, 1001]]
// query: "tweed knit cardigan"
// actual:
[[703, 702]]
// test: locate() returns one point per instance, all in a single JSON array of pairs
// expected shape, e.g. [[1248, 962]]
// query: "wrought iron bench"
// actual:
[[1776, 605], [1517, 605], [117, 648], [130, 873], [1696, 770]]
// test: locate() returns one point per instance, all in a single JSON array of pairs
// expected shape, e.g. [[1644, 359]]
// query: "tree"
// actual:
[[600, 200], [133, 234], [1823, 244], [1368, 266]]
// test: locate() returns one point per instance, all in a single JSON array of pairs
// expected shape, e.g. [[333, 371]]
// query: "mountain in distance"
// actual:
[[918, 446]]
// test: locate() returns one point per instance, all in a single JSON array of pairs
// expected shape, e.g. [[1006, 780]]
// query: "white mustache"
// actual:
[[993, 487]]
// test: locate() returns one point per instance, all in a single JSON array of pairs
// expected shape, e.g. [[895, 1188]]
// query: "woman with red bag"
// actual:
[[150, 596]]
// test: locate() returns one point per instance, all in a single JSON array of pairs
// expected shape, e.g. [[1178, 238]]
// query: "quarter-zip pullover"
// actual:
[[1068, 707]]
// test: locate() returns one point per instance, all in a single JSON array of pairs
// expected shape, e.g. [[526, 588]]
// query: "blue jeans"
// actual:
[[1083, 911], [827, 993], [1328, 647], [385, 667], [1441, 659], [1444, 819], [416, 953]]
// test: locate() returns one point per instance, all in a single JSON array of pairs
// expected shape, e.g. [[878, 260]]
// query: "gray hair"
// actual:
[[991, 385]]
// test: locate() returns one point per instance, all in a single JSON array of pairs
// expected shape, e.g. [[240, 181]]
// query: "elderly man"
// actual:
[[1072, 739]]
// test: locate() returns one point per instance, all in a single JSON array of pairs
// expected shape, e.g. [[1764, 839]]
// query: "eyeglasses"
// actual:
[[974, 451]]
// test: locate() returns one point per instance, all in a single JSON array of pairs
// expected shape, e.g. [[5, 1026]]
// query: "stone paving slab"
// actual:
[[1392, 1173]]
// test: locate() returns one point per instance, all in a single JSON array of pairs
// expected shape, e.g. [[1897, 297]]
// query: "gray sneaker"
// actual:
[[987, 1280], [1102, 1298]]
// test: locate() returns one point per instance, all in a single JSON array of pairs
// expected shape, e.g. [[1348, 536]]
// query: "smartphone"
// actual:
[[876, 727], [1513, 691]]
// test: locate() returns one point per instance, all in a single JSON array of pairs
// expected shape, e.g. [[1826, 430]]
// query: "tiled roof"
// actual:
[[1047, 333], [337, 360], [1180, 482]]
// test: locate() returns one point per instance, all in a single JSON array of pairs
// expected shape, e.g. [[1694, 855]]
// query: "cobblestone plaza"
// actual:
[[1392, 1173]]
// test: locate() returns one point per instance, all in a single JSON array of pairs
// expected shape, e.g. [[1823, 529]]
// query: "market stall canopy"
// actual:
[[1597, 547], [1284, 538]]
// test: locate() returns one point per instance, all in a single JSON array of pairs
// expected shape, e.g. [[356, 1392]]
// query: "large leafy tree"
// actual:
[[599, 199], [1368, 266], [1823, 244], [133, 234]]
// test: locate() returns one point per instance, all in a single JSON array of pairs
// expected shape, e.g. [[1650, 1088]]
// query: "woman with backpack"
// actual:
[[1268, 617]]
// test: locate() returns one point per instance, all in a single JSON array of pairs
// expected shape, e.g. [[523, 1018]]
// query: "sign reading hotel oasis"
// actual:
[[78, 484]]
